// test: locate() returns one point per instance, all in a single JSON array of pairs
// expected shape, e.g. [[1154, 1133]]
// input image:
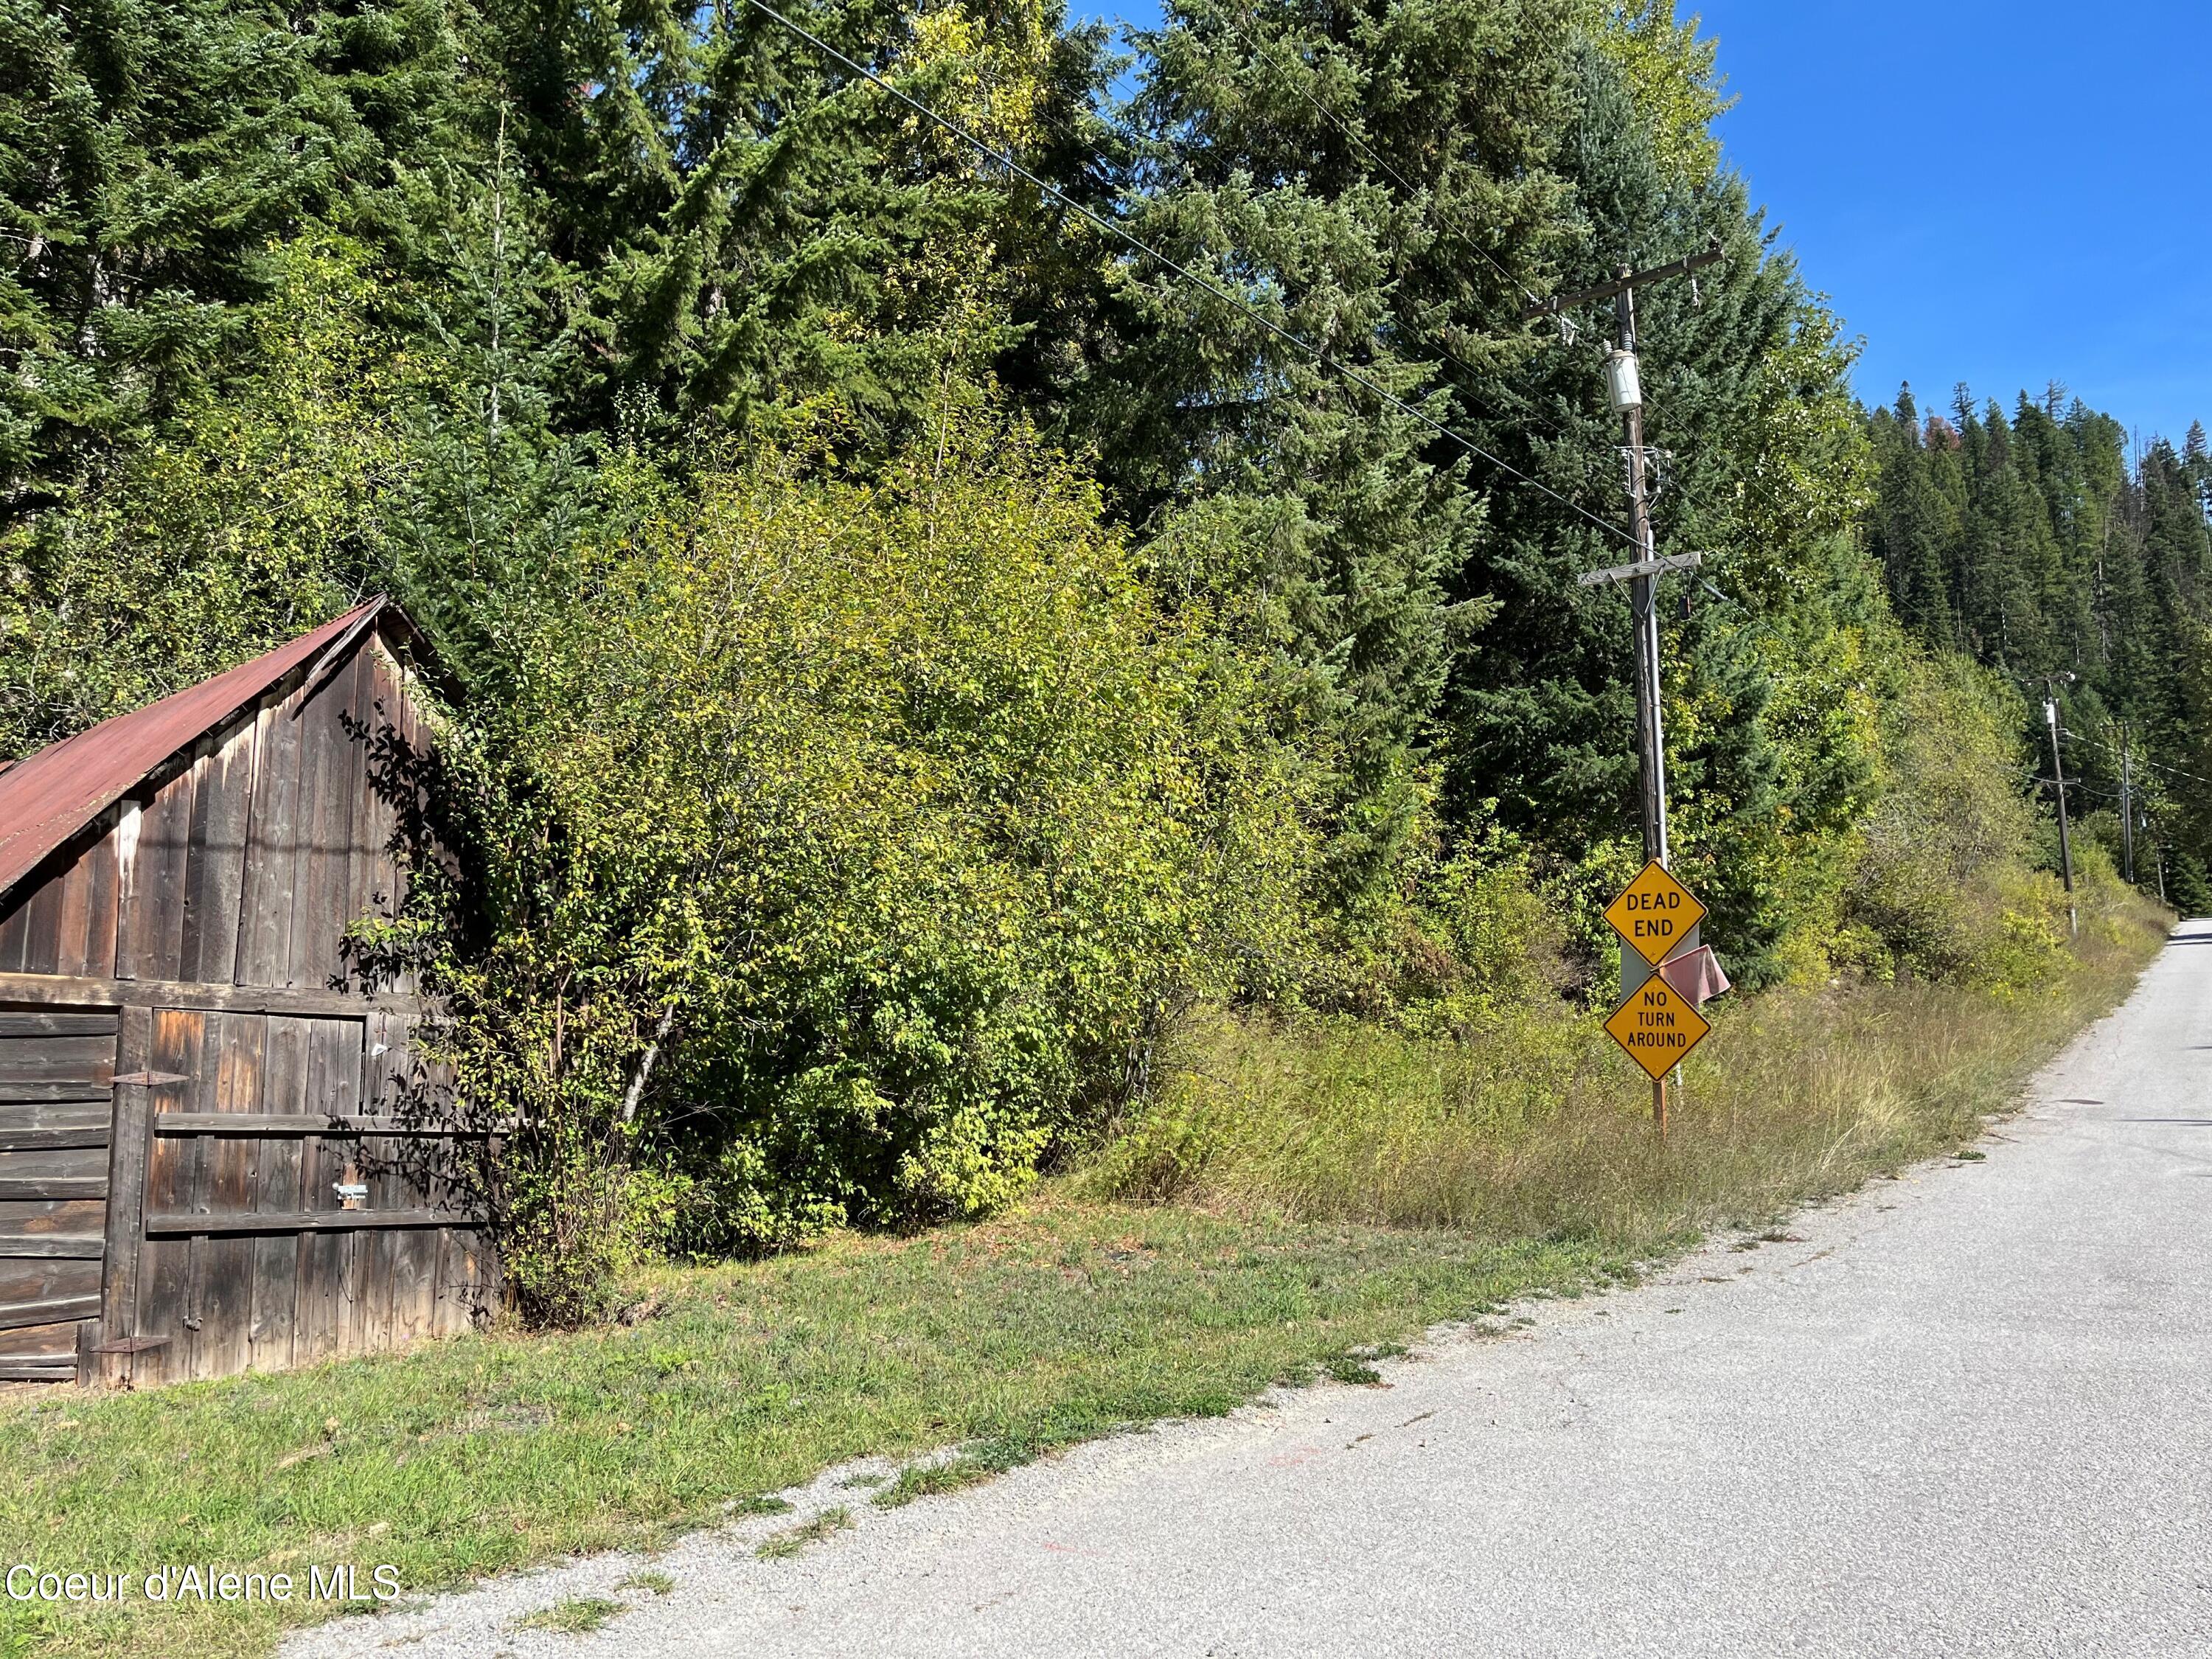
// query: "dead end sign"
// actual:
[[1657, 1027], [1654, 913]]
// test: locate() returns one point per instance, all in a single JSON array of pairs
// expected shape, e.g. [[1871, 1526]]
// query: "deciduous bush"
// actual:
[[842, 843], [1943, 887]]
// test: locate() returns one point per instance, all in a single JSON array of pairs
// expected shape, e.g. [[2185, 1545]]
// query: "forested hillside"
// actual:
[[916, 645], [2051, 543]]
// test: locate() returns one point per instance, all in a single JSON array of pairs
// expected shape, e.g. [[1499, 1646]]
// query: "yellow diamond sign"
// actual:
[[1657, 1027], [1655, 913]]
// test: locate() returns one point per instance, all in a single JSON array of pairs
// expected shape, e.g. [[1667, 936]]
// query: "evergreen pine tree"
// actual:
[[151, 151]]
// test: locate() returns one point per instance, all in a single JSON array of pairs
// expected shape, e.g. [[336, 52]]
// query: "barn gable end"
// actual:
[[205, 1162]]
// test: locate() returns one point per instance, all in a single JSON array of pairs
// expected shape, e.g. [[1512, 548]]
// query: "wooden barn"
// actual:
[[211, 1158]]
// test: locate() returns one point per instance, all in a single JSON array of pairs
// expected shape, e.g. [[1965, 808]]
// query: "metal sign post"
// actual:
[[1625, 390]]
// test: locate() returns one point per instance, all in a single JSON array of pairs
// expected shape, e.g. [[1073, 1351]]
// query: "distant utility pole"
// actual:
[[2058, 776], [2127, 811], [1624, 389]]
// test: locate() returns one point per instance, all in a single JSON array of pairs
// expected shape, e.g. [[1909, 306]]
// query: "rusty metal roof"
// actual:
[[46, 797]]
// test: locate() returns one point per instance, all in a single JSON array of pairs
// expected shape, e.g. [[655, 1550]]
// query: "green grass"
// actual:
[[656, 1583], [580, 1615], [490, 1452], [792, 1540], [1072, 1318], [973, 1464]]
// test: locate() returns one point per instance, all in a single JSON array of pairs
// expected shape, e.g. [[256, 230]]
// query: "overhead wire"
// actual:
[[2075, 787], [1319, 354], [2139, 760]]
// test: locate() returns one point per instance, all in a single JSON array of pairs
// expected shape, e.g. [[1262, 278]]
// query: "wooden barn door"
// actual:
[[56, 1107], [284, 1219]]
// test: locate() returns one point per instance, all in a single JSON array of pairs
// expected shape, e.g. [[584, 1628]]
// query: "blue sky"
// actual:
[[1999, 194]]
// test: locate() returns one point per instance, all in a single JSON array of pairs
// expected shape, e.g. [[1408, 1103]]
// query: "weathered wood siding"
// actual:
[[189, 947], [55, 1090]]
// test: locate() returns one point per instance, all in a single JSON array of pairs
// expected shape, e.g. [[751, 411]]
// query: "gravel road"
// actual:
[[1966, 1412]]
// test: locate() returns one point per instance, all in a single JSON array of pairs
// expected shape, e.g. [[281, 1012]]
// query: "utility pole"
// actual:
[[2127, 811], [1624, 390], [2058, 777], [1624, 383]]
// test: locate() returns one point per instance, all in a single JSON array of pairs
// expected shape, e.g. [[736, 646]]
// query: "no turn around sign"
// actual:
[[1657, 1027]]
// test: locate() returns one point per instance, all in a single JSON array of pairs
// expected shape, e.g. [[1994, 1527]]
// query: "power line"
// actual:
[[1317, 353], [2075, 787], [2082, 736]]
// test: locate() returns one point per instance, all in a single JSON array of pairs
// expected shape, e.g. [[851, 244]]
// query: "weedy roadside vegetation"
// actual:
[[789, 1542], [1299, 1200], [580, 1615], [1800, 1093]]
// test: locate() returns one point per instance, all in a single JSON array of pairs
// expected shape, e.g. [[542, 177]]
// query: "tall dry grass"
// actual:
[[1540, 1127]]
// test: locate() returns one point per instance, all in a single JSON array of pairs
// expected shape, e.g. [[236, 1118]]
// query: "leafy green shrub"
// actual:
[[1942, 888], [838, 845]]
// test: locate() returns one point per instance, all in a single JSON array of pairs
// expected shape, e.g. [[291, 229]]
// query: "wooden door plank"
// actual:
[[335, 1053], [225, 1293], [396, 1274], [365, 1271], [176, 1042], [273, 1335]]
